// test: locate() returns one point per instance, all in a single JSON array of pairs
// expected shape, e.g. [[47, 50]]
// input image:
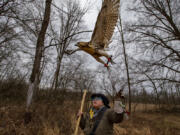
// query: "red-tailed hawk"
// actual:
[[103, 31]]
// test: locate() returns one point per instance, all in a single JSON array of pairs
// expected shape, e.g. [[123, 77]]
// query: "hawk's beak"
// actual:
[[76, 44]]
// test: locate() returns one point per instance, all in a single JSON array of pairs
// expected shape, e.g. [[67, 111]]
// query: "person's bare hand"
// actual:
[[79, 113]]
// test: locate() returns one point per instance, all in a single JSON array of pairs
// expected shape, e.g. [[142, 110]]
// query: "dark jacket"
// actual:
[[105, 126]]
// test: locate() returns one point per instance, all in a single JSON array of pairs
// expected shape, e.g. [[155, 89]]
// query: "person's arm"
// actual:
[[119, 111], [116, 115]]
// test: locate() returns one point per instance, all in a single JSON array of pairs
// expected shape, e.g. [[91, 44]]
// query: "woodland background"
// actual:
[[37, 74]]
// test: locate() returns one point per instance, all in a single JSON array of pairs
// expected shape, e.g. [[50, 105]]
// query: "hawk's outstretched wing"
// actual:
[[105, 24]]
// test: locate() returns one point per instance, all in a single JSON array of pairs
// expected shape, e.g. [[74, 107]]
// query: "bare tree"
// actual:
[[70, 27], [34, 79], [155, 35], [8, 34], [121, 32], [157, 31]]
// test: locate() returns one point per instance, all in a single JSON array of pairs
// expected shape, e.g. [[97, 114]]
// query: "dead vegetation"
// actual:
[[46, 120], [59, 119], [150, 123], [54, 113]]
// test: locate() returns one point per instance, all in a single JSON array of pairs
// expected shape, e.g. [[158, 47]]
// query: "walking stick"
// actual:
[[81, 109]]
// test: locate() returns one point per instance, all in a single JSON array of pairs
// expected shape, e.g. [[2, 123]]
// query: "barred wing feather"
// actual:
[[105, 24]]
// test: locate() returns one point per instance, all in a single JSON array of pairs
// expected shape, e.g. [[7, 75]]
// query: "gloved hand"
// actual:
[[119, 107]]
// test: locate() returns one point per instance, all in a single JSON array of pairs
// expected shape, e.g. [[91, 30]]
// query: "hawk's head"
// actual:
[[82, 44]]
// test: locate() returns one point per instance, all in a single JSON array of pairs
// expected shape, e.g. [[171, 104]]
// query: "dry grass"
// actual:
[[47, 119], [148, 120], [142, 123], [143, 107], [52, 119]]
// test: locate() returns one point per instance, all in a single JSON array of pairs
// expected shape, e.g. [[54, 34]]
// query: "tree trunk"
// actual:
[[56, 74], [126, 62], [34, 79], [155, 89]]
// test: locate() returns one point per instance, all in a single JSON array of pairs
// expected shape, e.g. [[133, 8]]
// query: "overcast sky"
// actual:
[[91, 16]]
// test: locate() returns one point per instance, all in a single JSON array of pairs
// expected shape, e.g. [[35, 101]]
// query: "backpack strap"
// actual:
[[100, 115]]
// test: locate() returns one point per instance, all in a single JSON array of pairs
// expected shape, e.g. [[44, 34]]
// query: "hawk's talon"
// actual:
[[106, 65], [110, 60]]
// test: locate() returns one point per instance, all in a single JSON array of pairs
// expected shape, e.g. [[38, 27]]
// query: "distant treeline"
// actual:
[[14, 90]]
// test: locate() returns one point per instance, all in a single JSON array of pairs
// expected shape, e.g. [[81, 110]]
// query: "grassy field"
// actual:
[[54, 119], [150, 124]]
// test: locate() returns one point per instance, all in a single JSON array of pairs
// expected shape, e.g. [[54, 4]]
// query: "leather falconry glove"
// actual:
[[119, 107]]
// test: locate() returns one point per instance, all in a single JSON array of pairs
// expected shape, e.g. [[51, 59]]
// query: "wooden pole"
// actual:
[[81, 110]]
